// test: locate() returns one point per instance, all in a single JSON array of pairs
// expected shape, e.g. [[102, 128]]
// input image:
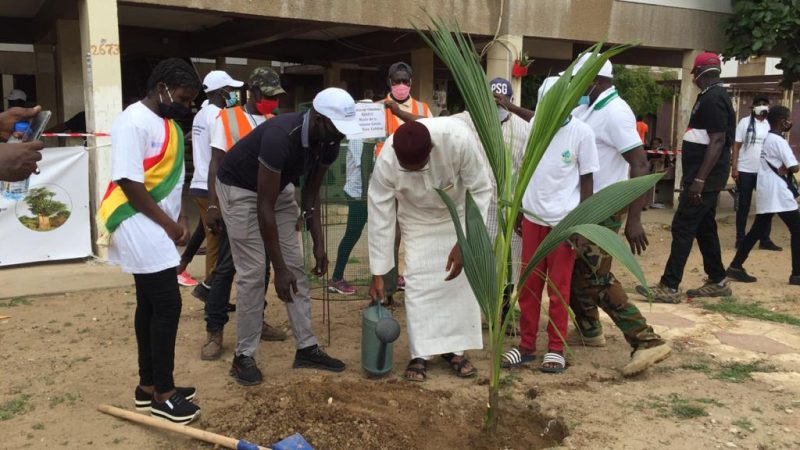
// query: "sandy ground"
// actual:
[[61, 354]]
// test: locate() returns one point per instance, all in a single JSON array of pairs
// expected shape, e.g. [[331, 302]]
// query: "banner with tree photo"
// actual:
[[51, 222]]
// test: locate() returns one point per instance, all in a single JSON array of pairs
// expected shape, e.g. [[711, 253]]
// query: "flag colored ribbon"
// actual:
[[161, 174]]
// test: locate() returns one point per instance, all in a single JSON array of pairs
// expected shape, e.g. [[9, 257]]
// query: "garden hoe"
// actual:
[[294, 442]]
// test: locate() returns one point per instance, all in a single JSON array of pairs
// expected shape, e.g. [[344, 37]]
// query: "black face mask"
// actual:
[[173, 110]]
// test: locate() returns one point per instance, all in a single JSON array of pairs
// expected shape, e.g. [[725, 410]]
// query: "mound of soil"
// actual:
[[391, 415]]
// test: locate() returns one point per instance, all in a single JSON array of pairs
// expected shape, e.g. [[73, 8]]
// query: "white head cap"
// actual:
[[218, 79], [336, 104], [546, 85], [17, 94], [606, 71]]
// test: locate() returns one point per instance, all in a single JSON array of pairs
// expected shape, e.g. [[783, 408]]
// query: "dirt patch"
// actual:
[[333, 413]]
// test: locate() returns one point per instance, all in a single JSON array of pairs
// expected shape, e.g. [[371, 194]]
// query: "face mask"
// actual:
[[584, 100], [502, 114], [760, 110], [173, 110], [266, 106], [401, 91], [231, 100]]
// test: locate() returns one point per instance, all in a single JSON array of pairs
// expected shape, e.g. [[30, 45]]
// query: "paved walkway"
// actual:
[[729, 338]]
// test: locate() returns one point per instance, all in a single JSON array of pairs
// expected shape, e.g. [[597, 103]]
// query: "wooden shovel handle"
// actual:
[[195, 433]]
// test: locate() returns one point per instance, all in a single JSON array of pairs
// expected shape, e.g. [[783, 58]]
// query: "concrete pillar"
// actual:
[[46, 89], [102, 90], [685, 103], [333, 77], [500, 59], [69, 66], [422, 65], [8, 85]]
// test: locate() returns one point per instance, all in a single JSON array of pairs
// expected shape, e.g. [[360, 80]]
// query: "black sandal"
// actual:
[[458, 367], [421, 369]]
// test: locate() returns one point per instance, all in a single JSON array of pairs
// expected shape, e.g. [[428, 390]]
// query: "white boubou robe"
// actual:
[[442, 316]]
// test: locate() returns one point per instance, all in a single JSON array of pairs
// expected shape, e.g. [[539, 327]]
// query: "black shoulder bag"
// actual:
[[791, 181]]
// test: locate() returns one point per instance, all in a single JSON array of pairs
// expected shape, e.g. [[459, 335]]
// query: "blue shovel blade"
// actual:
[[293, 442]]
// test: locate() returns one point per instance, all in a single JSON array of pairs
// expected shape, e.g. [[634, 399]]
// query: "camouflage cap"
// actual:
[[267, 80]]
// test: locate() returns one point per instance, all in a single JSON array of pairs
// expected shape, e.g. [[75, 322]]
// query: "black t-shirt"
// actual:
[[712, 113], [277, 144]]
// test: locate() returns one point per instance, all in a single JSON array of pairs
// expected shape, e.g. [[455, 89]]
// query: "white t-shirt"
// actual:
[[352, 185], [140, 245], [201, 144], [614, 127], [750, 153], [554, 189], [772, 193], [218, 138]]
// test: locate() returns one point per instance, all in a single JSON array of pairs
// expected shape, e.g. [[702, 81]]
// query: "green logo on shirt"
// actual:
[[566, 157]]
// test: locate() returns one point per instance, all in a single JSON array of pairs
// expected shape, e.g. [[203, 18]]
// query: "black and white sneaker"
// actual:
[[142, 399], [175, 409], [245, 371], [315, 358], [201, 292]]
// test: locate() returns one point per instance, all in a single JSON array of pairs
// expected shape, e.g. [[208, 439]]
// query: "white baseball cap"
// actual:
[[606, 71], [336, 104], [17, 94], [218, 79], [547, 83]]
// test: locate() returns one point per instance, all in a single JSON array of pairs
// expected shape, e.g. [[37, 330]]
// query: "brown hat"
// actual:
[[412, 143]]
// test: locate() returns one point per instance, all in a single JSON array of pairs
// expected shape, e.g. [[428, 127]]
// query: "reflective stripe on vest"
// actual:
[[236, 124], [392, 122]]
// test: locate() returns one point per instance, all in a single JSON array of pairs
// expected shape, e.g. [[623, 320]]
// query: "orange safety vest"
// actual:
[[236, 125], [393, 123]]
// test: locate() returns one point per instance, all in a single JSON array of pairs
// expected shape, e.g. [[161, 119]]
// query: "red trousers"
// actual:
[[557, 266]]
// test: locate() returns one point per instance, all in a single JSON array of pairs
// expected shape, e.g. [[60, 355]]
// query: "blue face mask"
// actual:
[[584, 100], [231, 100]]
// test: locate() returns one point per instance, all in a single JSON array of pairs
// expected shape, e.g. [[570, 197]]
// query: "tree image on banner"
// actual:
[[48, 213]]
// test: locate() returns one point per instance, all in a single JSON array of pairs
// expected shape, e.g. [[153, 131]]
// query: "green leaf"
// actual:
[[477, 254], [593, 210], [611, 243]]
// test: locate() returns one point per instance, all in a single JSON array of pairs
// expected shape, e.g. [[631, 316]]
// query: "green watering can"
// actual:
[[378, 332]]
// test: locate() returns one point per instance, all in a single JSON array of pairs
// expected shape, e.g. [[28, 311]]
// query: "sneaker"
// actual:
[[175, 409], [660, 293], [142, 399], [643, 358], [184, 279], [270, 333], [315, 358], [341, 287], [657, 206], [711, 289], [770, 246], [739, 274], [245, 371], [401, 283], [794, 280], [212, 349], [200, 292]]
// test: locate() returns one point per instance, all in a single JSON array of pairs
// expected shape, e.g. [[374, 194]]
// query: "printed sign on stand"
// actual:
[[372, 120], [51, 222]]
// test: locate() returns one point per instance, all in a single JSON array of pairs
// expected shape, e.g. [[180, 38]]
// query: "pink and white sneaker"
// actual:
[[341, 287], [184, 279]]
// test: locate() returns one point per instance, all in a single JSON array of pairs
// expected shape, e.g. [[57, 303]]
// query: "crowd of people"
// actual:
[[248, 161]]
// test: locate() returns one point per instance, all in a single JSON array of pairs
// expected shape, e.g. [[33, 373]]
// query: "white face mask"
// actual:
[[761, 109], [502, 114]]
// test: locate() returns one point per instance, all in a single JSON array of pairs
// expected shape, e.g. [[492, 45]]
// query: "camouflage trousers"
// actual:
[[593, 285]]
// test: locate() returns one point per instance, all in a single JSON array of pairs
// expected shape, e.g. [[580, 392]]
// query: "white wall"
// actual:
[[723, 6]]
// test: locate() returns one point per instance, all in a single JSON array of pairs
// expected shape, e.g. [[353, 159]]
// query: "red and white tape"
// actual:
[[664, 152], [76, 134]]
